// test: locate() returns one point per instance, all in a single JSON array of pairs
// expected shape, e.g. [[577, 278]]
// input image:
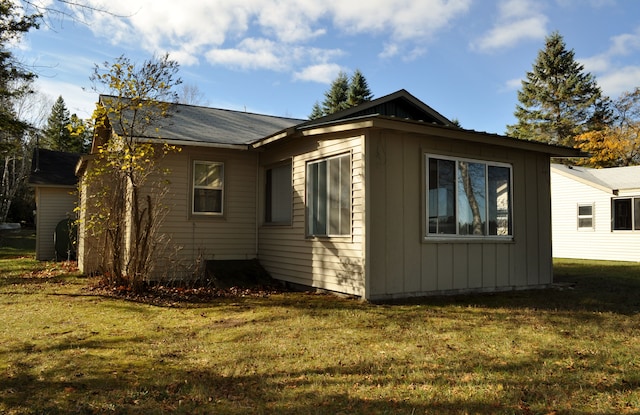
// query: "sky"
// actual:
[[463, 58]]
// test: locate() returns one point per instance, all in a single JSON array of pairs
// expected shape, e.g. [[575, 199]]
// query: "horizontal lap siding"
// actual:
[[600, 243], [328, 263], [403, 264], [200, 237], [53, 204]]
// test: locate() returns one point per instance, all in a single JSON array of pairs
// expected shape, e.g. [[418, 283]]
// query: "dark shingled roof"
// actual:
[[53, 168], [189, 123]]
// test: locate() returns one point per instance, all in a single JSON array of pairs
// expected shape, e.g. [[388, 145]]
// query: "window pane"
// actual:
[[442, 196], [329, 197], [206, 200], [585, 222], [499, 200], [471, 198], [208, 175], [585, 210], [622, 214], [636, 213], [278, 194]]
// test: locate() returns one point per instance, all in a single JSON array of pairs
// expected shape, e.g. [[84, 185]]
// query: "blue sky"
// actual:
[[464, 58]]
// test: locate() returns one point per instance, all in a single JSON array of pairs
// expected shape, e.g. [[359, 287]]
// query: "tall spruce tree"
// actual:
[[359, 91], [56, 135], [343, 93], [558, 100]]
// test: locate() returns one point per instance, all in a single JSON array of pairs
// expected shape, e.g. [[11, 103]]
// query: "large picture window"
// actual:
[[278, 194], [468, 198], [626, 214], [208, 187], [329, 196]]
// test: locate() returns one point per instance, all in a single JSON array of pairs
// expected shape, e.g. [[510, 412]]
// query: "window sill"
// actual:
[[469, 239]]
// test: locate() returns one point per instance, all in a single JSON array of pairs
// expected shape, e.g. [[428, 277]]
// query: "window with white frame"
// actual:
[[625, 213], [208, 187], [329, 196], [585, 216], [468, 198], [278, 194]]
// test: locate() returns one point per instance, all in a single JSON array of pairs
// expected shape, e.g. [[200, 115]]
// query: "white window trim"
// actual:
[[194, 187], [592, 216], [310, 235], [432, 237]]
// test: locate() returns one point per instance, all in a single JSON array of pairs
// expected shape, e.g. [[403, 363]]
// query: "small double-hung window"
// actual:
[[329, 196], [208, 187], [585, 216], [468, 198]]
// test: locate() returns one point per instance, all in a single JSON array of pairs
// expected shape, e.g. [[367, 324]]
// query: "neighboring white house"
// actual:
[[595, 212]]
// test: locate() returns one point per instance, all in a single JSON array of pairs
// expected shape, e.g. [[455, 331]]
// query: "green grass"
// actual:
[[574, 349]]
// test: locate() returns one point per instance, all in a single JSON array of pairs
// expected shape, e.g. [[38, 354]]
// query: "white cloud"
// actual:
[[223, 31], [323, 73], [517, 20], [613, 77]]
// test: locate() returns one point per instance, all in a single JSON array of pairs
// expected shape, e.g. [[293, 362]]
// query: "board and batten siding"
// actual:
[[286, 252], [401, 262], [53, 204], [599, 243]]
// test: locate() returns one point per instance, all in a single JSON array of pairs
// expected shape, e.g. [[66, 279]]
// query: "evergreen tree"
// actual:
[[335, 99], [56, 135], [342, 94], [358, 90], [557, 100], [316, 111]]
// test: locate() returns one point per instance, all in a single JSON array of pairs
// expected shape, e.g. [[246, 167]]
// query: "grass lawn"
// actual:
[[570, 350]]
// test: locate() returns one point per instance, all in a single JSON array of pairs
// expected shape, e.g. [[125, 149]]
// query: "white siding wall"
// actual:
[[600, 243], [334, 263], [53, 204]]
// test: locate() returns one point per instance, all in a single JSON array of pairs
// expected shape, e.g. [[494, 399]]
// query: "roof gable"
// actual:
[[400, 104]]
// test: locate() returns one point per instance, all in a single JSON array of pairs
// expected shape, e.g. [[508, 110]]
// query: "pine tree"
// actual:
[[342, 94], [359, 91], [316, 111], [56, 134], [558, 99], [335, 99]]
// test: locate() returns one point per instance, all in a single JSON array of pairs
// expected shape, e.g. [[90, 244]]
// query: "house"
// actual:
[[54, 180], [596, 212], [384, 200]]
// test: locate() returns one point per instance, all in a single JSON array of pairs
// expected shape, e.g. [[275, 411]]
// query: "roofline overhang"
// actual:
[[583, 180], [50, 185], [190, 143], [411, 126]]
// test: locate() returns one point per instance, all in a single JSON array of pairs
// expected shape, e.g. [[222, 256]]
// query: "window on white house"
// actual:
[[626, 214], [278, 194], [208, 187], [468, 197], [329, 196], [585, 216]]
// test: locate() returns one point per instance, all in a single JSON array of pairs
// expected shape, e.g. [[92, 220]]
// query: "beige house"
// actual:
[[384, 200], [54, 180], [596, 212]]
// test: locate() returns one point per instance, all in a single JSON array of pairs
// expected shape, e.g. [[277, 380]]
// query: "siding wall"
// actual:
[[334, 263], [599, 243], [53, 204], [191, 239], [401, 263]]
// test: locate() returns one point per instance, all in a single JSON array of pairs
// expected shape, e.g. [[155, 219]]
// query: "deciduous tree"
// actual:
[[617, 143], [126, 175]]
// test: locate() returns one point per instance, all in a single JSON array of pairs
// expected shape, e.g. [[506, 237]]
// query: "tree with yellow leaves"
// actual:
[[124, 182], [616, 144]]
